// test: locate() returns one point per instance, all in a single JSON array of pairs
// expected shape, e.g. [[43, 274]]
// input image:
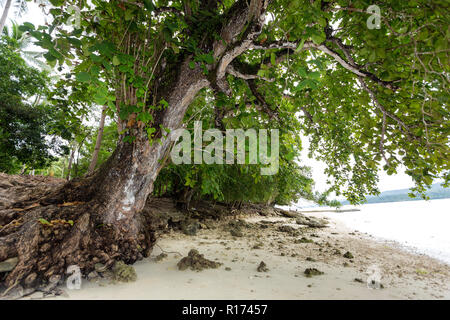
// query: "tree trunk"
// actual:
[[69, 167], [4, 15], [98, 143], [99, 218], [105, 207]]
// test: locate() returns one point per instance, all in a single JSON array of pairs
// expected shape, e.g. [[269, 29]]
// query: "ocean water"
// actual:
[[419, 226]]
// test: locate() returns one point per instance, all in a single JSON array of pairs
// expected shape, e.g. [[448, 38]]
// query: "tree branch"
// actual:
[[351, 66]]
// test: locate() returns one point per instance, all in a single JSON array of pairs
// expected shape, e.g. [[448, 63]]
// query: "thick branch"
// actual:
[[237, 74], [349, 65], [247, 22], [262, 101]]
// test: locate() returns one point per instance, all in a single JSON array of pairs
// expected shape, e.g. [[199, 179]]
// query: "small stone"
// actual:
[[235, 232], [310, 259], [262, 267], [196, 261], [358, 280], [190, 228], [309, 272], [123, 272], [227, 269], [161, 257], [348, 255]]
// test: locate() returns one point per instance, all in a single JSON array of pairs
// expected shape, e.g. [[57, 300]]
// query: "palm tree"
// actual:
[[20, 6], [23, 41]]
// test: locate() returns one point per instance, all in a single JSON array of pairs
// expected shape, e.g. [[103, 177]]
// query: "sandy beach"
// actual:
[[287, 252]]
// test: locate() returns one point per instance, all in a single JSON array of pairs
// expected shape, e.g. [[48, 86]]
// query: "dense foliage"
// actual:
[[25, 121], [367, 98]]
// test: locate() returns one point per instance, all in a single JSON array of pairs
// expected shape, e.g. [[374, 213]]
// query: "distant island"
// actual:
[[435, 192]]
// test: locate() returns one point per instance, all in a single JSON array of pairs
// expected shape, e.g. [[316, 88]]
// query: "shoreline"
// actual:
[[382, 240], [404, 275]]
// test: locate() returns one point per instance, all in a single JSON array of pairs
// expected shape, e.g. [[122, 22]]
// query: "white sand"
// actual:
[[405, 276]]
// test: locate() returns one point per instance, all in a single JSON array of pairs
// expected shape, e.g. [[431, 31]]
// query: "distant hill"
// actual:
[[435, 192]]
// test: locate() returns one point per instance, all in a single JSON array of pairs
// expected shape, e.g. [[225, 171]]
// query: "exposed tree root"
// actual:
[[47, 238]]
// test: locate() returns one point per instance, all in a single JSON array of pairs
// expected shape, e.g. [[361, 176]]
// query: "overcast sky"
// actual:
[[398, 181]]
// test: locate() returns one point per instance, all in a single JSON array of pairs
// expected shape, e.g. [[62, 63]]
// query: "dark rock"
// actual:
[[161, 257], [190, 227], [309, 272], [348, 255], [262, 267], [123, 272], [195, 261]]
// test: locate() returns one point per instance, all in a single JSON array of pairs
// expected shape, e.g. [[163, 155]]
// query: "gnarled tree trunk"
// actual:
[[98, 218]]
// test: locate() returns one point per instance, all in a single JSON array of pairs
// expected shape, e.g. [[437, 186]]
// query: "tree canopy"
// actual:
[[366, 97]]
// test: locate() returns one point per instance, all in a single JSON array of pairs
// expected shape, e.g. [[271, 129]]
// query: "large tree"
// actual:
[[365, 96]]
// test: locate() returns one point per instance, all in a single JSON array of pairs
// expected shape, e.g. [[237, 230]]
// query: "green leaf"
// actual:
[[314, 75], [83, 77], [116, 61], [273, 60], [318, 38], [100, 98], [43, 221], [148, 4], [27, 26], [300, 46], [144, 117]]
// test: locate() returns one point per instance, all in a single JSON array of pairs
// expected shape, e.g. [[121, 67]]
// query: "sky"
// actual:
[[398, 181]]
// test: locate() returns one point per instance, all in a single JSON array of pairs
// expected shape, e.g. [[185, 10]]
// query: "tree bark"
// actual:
[[69, 166], [98, 142], [4, 15]]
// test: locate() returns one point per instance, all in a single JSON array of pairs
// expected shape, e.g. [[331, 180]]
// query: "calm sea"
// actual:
[[419, 226]]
